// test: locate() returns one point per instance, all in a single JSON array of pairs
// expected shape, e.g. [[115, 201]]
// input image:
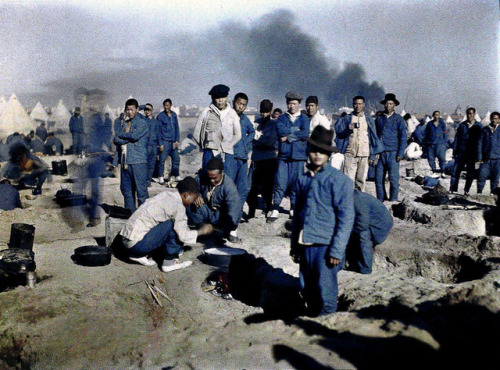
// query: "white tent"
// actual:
[[14, 118], [61, 116], [3, 103], [449, 119], [38, 113], [412, 124], [403, 112], [427, 119], [112, 115], [486, 120]]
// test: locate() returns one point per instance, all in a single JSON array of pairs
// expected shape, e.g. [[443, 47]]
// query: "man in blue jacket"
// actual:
[[357, 140], [264, 162], [465, 151], [372, 224], [168, 141], [321, 224], [133, 141], [106, 131], [41, 131], [236, 164], [76, 129], [293, 130], [153, 140], [219, 203], [488, 154], [391, 130], [435, 139]]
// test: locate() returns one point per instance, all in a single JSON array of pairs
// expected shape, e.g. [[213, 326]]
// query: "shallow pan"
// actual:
[[92, 255], [72, 200], [221, 256]]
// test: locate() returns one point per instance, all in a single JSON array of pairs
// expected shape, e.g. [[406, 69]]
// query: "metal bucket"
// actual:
[[410, 172], [22, 236], [59, 168]]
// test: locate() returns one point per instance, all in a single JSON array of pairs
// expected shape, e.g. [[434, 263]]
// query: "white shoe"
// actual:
[[145, 261], [177, 178], [155, 179], [161, 181], [175, 264]]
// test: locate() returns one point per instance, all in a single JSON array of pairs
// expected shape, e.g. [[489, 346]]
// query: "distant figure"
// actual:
[[236, 164], [77, 132], [435, 139], [9, 196], [41, 131], [133, 157], [292, 128], [168, 138], [372, 224], [218, 127], [357, 139], [315, 118], [413, 151], [53, 146], [35, 145], [15, 138], [264, 162], [276, 113], [4, 151], [25, 168], [106, 131], [219, 203], [187, 145], [153, 140], [391, 130], [465, 151], [488, 154]]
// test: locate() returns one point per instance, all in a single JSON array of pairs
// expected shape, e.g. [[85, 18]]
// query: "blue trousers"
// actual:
[[35, 178], [169, 151], [263, 173], [460, 162], [77, 142], [134, 182], [491, 170], [436, 151], [287, 173], [387, 164], [152, 156], [162, 237], [237, 170], [359, 252], [207, 156], [188, 150], [318, 281]]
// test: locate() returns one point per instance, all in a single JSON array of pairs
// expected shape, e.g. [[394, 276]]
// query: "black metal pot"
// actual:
[[92, 255], [21, 236], [221, 256], [59, 168]]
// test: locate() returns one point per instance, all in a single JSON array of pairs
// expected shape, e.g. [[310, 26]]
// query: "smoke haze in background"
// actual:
[[433, 55]]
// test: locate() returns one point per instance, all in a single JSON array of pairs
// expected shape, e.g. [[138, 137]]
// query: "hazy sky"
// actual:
[[432, 54]]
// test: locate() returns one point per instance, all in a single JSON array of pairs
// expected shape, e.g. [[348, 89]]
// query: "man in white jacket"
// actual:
[[218, 127]]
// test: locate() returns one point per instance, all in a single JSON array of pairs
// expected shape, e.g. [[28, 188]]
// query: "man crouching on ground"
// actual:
[[156, 224], [322, 223]]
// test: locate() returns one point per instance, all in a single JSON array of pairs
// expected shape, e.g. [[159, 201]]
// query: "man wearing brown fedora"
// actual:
[[321, 224], [391, 130]]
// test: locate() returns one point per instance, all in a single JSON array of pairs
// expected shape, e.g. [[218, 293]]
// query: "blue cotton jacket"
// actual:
[[344, 132], [76, 124], [243, 147], [296, 133], [154, 132], [324, 210], [391, 131], [117, 125], [266, 146], [418, 135], [136, 140], [436, 135], [9, 198], [169, 127], [41, 132], [225, 198], [35, 146], [373, 221], [489, 144], [466, 140], [106, 128]]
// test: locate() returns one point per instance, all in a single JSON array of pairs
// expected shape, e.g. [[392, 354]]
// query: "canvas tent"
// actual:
[[14, 118], [486, 120], [449, 119], [3, 103], [61, 117], [39, 114]]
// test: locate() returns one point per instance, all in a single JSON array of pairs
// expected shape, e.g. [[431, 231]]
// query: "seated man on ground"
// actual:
[[219, 203], [9, 196], [157, 225], [25, 169]]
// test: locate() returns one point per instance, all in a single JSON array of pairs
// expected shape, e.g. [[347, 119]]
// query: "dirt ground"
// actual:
[[432, 300]]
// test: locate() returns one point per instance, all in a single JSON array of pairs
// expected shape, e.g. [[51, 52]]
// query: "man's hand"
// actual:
[[199, 202], [398, 159], [351, 126], [332, 262], [283, 139], [295, 258], [205, 229], [176, 145], [161, 148]]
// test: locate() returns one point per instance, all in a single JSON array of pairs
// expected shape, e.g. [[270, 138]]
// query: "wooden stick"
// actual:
[[154, 294], [163, 294]]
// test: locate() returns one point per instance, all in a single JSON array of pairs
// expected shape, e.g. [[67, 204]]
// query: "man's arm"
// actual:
[[343, 204], [141, 131], [402, 133]]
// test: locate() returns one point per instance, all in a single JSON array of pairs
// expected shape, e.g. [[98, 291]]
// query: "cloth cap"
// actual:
[[219, 91], [293, 95]]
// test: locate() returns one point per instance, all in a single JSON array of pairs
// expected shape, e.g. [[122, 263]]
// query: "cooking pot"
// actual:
[[221, 256], [92, 255]]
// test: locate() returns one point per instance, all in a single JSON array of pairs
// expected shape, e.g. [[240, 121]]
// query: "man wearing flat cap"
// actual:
[[293, 130], [391, 130], [218, 127], [357, 139], [76, 129], [321, 224]]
